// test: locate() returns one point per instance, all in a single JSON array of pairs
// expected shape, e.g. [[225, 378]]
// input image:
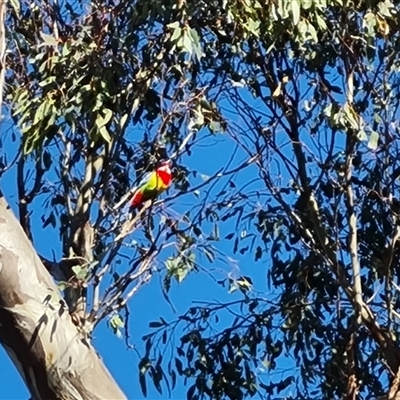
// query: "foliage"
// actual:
[[308, 92], [78, 81]]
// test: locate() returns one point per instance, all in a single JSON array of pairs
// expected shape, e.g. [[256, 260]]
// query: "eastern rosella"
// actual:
[[152, 184]]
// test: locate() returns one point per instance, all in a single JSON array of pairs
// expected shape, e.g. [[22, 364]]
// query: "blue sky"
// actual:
[[149, 304], [209, 155]]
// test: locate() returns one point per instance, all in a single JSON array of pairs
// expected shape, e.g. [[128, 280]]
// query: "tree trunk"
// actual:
[[54, 359]]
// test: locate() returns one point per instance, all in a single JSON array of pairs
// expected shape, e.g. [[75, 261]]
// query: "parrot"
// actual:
[[152, 185]]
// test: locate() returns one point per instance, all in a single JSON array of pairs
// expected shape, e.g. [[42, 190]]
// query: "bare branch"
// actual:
[[352, 218]]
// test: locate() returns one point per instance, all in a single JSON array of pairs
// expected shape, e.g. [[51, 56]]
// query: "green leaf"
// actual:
[[51, 220], [204, 177], [48, 40], [31, 141], [181, 274], [171, 264], [155, 324], [195, 37], [79, 271], [62, 285], [321, 23], [312, 32], [362, 136], [245, 283], [385, 8], [41, 112], [258, 254], [215, 127], [196, 43], [173, 25], [233, 287], [123, 120], [15, 6], [253, 27], [209, 254], [373, 140], [369, 22], [295, 12], [116, 322], [143, 386], [76, 269], [104, 134], [103, 121], [47, 81], [157, 375], [190, 393], [216, 232], [328, 110], [187, 43], [176, 34], [66, 50]]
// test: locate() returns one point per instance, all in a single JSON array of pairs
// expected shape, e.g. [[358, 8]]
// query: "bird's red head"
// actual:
[[164, 172]]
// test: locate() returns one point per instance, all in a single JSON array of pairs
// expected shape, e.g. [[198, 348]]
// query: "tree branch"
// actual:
[[352, 218]]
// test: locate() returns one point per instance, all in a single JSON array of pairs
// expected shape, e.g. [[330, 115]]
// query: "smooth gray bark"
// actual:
[[52, 356]]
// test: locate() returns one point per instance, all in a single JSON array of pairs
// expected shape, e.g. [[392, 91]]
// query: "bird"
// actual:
[[152, 185]]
